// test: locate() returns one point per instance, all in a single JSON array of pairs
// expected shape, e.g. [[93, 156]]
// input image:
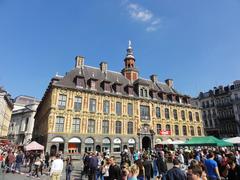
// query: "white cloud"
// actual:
[[141, 14], [151, 28]]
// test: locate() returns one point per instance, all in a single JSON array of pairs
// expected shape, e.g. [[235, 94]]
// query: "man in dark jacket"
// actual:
[[161, 164], [148, 168], [176, 173], [93, 165], [114, 170]]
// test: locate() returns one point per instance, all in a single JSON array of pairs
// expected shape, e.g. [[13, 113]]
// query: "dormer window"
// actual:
[[117, 87], [105, 85], [153, 93], [143, 91], [79, 81], [129, 89], [92, 83]]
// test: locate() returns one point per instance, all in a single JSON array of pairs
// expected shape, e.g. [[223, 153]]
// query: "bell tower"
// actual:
[[130, 72]]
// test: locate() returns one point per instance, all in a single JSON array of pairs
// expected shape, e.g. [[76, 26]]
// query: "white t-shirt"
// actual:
[[57, 166]]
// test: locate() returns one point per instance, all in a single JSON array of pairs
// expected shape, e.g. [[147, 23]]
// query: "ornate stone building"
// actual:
[[6, 106], [94, 108], [22, 121], [221, 105]]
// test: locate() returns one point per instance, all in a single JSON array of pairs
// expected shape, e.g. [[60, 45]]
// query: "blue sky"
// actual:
[[194, 42]]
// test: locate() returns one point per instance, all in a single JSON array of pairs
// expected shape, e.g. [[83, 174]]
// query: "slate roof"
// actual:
[[88, 72]]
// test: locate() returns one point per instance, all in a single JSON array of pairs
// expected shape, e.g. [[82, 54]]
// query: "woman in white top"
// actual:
[[105, 169]]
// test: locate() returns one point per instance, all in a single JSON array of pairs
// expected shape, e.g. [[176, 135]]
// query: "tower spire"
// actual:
[[130, 72], [130, 51]]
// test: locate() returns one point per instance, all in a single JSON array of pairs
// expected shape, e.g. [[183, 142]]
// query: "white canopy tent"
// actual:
[[170, 141], [176, 142], [234, 140]]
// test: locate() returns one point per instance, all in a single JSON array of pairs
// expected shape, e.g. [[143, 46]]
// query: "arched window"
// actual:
[[168, 127], [199, 131], [91, 126], [59, 126], [175, 115], [130, 127], [190, 116], [76, 125], [158, 112], [184, 130], [183, 115], [105, 126], [176, 130], [118, 127], [197, 116], [192, 130], [167, 113], [159, 128]]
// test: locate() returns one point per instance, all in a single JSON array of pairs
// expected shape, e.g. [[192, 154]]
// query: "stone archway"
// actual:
[[53, 150], [146, 143]]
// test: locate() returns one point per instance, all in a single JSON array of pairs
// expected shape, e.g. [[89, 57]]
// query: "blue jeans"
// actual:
[[68, 175], [17, 166]]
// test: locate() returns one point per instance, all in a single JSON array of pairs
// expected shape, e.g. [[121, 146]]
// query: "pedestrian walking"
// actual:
[[69, 168], [19, 161], [114, 170], [176, 173], [56, 168]]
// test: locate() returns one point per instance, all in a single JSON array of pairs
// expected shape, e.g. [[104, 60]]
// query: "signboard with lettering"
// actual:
[[165, 132]]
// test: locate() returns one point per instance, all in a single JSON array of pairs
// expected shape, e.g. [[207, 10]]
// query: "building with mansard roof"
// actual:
[[95, 109], [220, 105]]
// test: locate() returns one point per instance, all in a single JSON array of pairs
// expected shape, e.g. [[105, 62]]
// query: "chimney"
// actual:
[[154, 78], [79, 62], [103, 67], [169, 82]]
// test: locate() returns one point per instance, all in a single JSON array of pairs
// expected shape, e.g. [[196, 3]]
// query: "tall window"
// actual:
[[167, 116], [59, 127], [183, 115], [105, 127], [118, 127], [176, 130], [158, 112], [197, 116], [192, 130], [118, 108], [62, 101], [144, 112], [190, 116], [130, 109], [92, 105], [199, 131], [175, 115], [106, 107], [26, 124], [159, 128], [77, 103], [184, 129], [91, 126], [130, 127], [168, 127], [76, 125]]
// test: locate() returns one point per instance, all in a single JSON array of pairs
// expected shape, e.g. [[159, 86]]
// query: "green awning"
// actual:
[[207, 140]]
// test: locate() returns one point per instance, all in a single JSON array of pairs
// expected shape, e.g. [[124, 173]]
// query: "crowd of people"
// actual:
[[198, 164], [179, 164], [13, 159]]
